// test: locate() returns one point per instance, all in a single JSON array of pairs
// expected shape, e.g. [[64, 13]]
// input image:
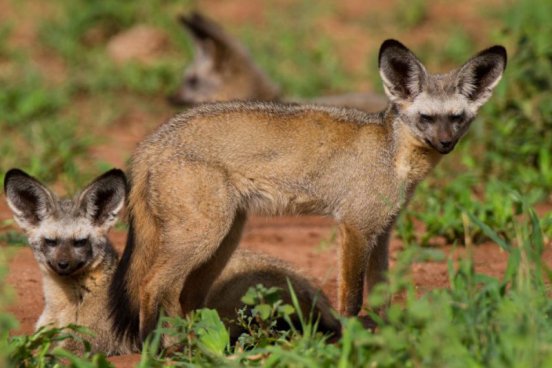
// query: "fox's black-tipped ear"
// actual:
[[29, 200], [477, 78], [402, 73], [210, 38], [104, 198], [201, 27]]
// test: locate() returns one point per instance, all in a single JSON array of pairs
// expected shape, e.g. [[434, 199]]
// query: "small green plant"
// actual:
[[201, 335], [37, 350], [259, 318]]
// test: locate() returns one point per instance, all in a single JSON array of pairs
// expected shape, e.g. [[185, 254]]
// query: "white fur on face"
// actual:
[[208, 83], [441, 105], [74, 228]]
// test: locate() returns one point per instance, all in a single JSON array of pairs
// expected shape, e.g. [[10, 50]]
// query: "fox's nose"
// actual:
[[63, 265], [446, 144]]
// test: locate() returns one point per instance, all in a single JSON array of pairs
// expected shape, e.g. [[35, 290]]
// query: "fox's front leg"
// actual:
[[378, 262], [46, 318], [355, 249]]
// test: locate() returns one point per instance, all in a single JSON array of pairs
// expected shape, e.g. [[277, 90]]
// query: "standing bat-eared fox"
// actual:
[[194, 180]]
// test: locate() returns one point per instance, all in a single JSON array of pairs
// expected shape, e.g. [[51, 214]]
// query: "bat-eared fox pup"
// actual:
[[69, 240], [194, 180], [223, 70]]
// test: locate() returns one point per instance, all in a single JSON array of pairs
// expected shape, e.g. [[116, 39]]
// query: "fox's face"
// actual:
[[67, 236], [222, 69], [438, 108]]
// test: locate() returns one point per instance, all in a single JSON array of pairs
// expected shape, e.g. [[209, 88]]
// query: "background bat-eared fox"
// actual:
[[223, 70]]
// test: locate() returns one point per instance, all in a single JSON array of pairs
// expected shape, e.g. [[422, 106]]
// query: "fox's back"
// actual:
[[274, 158], [250, 136]]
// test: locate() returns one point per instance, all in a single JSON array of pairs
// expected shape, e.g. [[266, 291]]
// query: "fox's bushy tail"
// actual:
[[137, 260]]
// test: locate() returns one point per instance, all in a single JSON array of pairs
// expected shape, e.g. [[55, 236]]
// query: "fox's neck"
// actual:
[[413, 160]]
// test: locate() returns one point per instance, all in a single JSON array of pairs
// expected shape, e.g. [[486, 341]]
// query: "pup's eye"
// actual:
[[50, 242], [456, 118], [192, 81], [80, 242], [426, 118]]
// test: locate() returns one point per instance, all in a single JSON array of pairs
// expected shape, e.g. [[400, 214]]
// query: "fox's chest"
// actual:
[[412, 164]]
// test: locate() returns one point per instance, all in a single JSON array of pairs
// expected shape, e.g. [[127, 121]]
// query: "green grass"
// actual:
[[478, 321], [510, 145], [411, 13], [42, 128], [306, 63]]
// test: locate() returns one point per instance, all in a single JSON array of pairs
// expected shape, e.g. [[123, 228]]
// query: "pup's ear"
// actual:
[[210, 39], [477, 78], [29, 200], [104, 198], [402, 73]]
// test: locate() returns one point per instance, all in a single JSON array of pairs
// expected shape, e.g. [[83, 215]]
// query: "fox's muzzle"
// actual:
[[65, 267], [443, 147]]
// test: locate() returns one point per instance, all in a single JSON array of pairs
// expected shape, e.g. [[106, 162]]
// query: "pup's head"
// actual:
[[222, 69], [67, 236], [438, 108]]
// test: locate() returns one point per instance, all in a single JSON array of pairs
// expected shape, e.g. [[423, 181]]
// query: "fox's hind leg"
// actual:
[[195, 209], [200, 280]]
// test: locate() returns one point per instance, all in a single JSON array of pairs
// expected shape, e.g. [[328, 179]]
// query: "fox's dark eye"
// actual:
[[426, 118], [50, 242], [456, 118], [192, 81], [80, 242]]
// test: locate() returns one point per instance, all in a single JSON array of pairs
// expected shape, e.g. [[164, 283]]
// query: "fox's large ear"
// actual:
[[209, 37], [103, 199], [29, 200], [402, 73], [477, 78]]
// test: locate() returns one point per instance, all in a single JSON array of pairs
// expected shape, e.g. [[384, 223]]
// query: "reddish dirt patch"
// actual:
[[235, 11], [139, 43]]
